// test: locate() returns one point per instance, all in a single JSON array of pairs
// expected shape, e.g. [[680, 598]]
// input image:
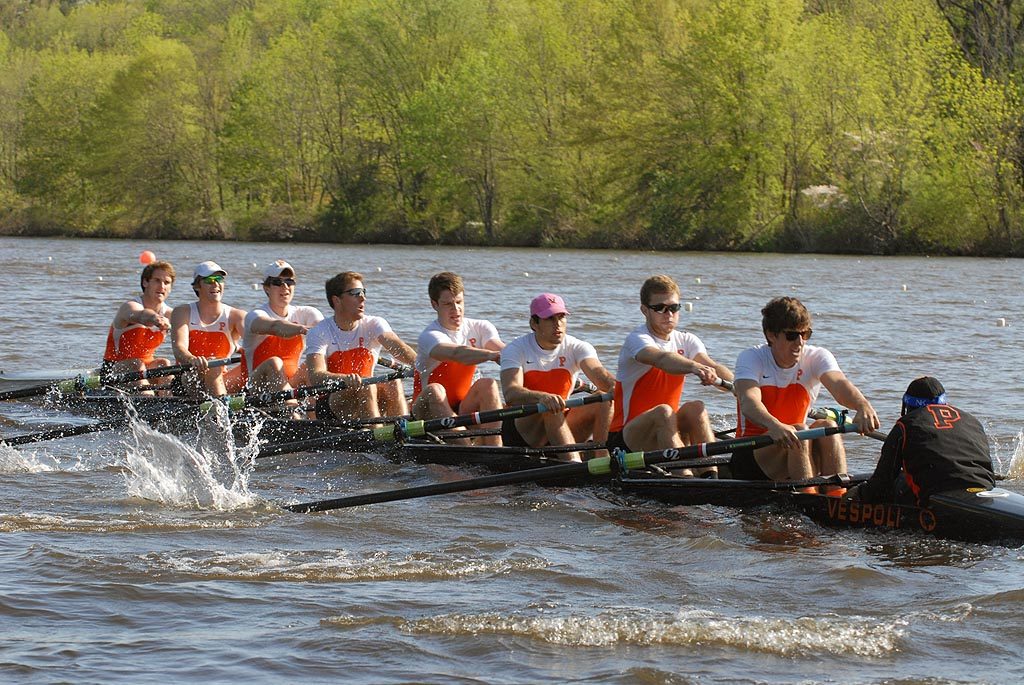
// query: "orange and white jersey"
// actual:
[[552, 371], [354, 351], [456, 378], [787, 394], [211, 340], [257, 348], [135, 341], [639, 386]]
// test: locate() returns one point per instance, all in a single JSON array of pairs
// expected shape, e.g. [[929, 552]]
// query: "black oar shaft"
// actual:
[[595, 467], [63, 432]]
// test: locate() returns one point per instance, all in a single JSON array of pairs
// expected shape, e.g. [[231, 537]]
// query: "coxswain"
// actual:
[[346, 346], [446, 381], [208, 329], [541, 368], [140, 325], [776, 384], [274, 334], [934, 447], [653, 364]]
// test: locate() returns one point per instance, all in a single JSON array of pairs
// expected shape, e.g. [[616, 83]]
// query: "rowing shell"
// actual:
[[969, 515]]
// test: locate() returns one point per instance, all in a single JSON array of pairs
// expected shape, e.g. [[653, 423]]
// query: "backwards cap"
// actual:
[[924, 391], [275, 269]]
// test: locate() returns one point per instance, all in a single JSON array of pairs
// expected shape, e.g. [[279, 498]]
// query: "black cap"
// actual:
[[925, 387]]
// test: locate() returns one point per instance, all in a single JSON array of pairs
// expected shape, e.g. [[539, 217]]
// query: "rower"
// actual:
[[140, 324], [653, 363], [274, 334], [541, 368], [346, 347], [934, 447], [447, 382], [208, 329], [776, 383]]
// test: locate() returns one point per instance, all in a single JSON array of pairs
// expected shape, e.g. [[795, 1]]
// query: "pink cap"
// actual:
[[547, 305], [275, 269]]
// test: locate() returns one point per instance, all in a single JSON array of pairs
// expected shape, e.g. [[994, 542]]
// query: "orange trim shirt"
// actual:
[[639, 386], [354, 351], [211, 340], [456, 378], [257, 348], [552, 371], [787, 394], [134, 341]]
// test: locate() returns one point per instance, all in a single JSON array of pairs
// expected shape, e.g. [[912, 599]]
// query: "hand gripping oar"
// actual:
[[93, 381], [839, 416], [601, 466], [412, 429], [264, 399]]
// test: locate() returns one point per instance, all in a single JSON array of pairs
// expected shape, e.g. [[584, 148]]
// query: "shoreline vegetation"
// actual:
[[839, 126]]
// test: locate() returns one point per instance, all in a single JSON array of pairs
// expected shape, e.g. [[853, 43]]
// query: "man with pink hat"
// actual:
[[274, 335], [208, 329], [542, 367]]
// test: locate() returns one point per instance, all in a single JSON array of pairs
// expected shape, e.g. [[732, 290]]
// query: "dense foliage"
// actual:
[[811, 125]]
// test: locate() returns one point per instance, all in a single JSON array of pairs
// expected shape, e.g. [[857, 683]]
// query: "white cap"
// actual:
[[275, 269], [208, 269]]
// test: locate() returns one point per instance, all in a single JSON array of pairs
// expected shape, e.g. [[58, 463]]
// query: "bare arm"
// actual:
[[264, 325], [464, 354], [848, 395], [397, 348], [133, 312], [179, 334], [598, 375], [677, 364], [316, 367], [721, 370]]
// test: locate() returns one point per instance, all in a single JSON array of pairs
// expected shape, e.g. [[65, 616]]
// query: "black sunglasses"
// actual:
[[281, 281], [792, 336], [673, 308]]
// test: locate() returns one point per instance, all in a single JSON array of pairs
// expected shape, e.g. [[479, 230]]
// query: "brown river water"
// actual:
[[128, 556]]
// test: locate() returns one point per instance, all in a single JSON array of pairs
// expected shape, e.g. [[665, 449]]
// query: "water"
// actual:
[[129, 556]]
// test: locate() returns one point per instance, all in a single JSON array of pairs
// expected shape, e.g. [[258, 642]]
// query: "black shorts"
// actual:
[[616, 441], [743, 466], [510, 435]]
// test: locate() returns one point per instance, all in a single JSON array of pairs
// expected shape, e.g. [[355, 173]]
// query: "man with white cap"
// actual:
[[208, 329], [274, 335], [653, 364], [140, 324], [541, 368], [934, 447]]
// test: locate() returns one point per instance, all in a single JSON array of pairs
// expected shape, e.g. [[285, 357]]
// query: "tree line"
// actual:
[[795, 125]]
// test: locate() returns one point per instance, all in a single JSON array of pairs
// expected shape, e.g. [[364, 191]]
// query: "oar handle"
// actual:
[[397, 366]]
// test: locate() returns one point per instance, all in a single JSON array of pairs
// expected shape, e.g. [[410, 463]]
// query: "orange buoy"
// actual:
[[147, 257]]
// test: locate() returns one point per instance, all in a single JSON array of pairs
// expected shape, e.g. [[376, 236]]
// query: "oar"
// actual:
[[93, 381], [411, 429], [243, 400], [64, 432], [397, 366], [836, 415], [601, 466]]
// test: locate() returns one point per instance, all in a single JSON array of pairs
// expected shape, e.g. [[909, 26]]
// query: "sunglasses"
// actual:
[[355, 292], [210, 280], [290, 282], [792, 336], [672, 308]]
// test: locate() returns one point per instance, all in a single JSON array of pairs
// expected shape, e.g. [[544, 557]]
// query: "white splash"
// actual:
[[13, 461], [1015, 469], [209, 475]]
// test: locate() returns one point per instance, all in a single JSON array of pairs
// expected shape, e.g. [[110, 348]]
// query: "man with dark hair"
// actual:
[[776, 384], [274, 333], [541, 367], [140, 325], [934, 447], [449, 349], [346, 347], [653, 363]]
